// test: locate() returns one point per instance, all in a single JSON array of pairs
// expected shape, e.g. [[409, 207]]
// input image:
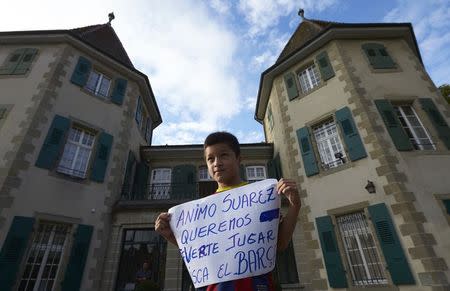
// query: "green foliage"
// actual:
[[147, 285], [445, 91]]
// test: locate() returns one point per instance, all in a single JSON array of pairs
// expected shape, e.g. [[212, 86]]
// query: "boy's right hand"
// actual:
[[162, 226]]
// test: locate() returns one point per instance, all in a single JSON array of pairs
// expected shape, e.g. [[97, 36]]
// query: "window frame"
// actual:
[[63, 253], [159, 194], [346, 257], [202, 179], [339, 162], [415, 140], [93, 147], [255, 178], [317, 76], [98, 84]]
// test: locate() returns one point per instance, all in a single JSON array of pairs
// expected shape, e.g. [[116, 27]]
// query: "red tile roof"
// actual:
[[104, 38]]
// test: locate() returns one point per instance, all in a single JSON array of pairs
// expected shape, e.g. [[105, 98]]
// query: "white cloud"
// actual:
[[263, 15], [431, 23], [250, 137], [250, 103], [220, 6], [188, 55]]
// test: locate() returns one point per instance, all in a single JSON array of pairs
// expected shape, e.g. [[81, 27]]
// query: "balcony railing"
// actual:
[[169, 191]]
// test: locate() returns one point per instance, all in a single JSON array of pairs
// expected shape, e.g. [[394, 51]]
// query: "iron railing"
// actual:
[[168, 191]]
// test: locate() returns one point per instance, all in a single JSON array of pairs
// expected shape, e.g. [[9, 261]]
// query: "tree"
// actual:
[[445, 91]]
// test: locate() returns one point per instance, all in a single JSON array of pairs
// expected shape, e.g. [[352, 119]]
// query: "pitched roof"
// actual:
[[306, 30], [104, 38]]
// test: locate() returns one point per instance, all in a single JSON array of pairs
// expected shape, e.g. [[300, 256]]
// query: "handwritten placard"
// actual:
[[229, 235]]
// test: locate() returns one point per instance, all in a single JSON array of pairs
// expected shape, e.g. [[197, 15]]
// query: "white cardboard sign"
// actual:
[[229, 235]]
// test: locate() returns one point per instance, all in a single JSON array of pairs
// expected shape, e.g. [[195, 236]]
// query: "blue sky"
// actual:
[[204, 58]]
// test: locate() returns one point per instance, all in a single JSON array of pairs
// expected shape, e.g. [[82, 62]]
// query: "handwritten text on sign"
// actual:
[[229, 235]]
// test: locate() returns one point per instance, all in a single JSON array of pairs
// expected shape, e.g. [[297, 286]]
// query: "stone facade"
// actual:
[[411, 184]]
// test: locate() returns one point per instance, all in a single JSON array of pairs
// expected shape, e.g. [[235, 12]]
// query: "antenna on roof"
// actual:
[[301, 13], [111, 17]]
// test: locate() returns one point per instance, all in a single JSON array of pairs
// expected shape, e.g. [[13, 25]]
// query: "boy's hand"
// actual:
[[289, 189], [162, 226]]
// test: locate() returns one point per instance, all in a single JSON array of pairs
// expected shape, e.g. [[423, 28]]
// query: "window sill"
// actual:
[[60, 175], [373, 288], [331, 171], [416, 153], [397, 69], [99, 97], [15, 76], [303, 95]]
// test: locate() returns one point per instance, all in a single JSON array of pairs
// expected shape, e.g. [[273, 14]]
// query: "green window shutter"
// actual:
[[184, 182], [393, 126], [101, 157], [291, 85], [24, 65], [378, 56], [437, 119], [53, 143], [3, 113], [271, 172], [326, 70], [447, 205], [120, 88], [309, 159], [286, 267], [393, 252], [148, 131], [274, 168], [77, 260], [81, 73], [126, 187], [12, 61], [330, 251], [352, 138], [279, 172], [138, 113], [140, 181], [242, 173], [13, 250]]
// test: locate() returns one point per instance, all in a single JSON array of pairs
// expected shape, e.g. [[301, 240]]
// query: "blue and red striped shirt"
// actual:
[[257, 283]]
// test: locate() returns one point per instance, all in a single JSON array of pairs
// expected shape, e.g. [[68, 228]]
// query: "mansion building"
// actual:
[[348, 111]]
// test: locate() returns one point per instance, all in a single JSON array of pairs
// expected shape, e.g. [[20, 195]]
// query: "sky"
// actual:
[[204, 59]]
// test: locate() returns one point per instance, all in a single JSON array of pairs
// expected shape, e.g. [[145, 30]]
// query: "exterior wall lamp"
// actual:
[[370, 187]]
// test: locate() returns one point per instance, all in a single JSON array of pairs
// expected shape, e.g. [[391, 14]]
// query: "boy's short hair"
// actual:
[[223, 137]]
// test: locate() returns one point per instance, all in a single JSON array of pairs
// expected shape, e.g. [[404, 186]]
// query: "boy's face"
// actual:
[[223, 164]]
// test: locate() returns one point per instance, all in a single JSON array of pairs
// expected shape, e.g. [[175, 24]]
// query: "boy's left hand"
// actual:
[[289, 189]]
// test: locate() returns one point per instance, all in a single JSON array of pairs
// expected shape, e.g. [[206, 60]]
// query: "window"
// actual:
[[203, 174], [329, 144], [309, 78], [98, 84], [148, 131], [2, 113], [139, 246], [77, 151], [160, 183], [18, 62], [360, 250], [256, 173], [447, 205], [414, 128], [270, 117], [378, 56], [43, 260]]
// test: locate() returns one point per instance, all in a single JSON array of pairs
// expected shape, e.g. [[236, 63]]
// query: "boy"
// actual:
[[222, 155]]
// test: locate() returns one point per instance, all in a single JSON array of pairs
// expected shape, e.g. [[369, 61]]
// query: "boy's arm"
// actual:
[[289, 189], [162, 226]]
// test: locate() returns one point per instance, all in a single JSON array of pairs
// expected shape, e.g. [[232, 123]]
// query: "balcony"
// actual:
[[164, 194]]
